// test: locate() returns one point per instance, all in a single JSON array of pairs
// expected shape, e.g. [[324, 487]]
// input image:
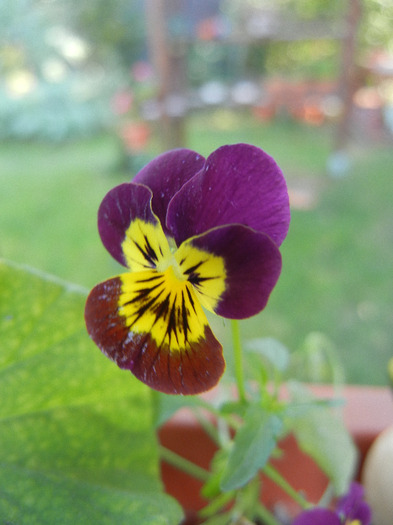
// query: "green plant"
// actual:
[[79, 436]]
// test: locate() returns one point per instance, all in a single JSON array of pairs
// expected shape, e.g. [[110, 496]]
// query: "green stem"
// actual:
[[286, 487], [208, 426], [238, 360], [216, 505], [266, 516], [184, 464]]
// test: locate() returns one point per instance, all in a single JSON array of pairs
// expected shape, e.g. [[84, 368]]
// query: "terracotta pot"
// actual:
[[367, 412]]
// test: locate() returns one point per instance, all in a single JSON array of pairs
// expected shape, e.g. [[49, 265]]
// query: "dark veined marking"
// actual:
[[194, 276], [150, 250], [185, 314], [190, 298], [143, 296], [148, 253], [149, 279]]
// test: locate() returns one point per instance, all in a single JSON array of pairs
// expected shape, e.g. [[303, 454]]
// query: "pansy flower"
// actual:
[[351, 509], [195, 234]]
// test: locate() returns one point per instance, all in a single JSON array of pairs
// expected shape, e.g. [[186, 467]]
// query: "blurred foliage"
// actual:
[[111, 26], [300, 59], [302, 9], [51, 88], [116, 30], [308, 9], [377, 25], [55, 112], [62, 62]]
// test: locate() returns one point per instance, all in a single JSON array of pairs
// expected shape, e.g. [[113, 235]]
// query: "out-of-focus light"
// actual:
[[68, 45], [135, 136], [20, 83], [121, 102], [224, 119], [75, 49], [142, 71], [339, 164], [175, 105], [213, 93], [386, 90], [368, 98], [264, 25], [213, 28], [245, 92], [312, 112], [151, 110], [332, 106], [53, 70]]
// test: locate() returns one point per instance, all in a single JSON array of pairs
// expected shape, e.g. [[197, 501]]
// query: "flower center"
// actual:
[[170, 262], [146, 248]]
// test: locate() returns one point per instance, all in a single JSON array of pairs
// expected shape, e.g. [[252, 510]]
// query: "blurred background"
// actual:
[[90, 91]]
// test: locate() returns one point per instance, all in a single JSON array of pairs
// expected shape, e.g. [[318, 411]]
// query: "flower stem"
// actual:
[[266, 516], [238, 360], [286, 487], [207, 425], [184, 464]]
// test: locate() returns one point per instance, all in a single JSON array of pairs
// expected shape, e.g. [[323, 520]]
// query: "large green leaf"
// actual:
[[77, 444]]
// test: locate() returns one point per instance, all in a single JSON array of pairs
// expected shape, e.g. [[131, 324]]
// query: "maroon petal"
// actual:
[[120, 207], [166, 174], [252, 267], [143, 335], [238, 184]]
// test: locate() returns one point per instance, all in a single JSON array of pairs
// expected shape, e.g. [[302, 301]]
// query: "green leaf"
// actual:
[[321, 433], [167, 405], [77, 444], [270, 350], [317, 361], [252, 447]]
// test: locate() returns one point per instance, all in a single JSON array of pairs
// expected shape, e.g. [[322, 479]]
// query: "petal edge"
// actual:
[[120, 206], [239, 183], [166, 174], [252, 267]]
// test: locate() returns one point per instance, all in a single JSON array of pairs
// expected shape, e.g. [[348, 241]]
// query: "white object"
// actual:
[[378, 478]]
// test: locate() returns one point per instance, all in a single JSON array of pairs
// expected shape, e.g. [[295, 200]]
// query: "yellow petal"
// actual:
[[205, 271], [145, 245]]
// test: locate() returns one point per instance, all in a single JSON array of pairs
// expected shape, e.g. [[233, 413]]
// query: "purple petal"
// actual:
[[238, 184], [353, 506], [362, 513], [119, 208], [252, 265], [166, 174], [317, 517]]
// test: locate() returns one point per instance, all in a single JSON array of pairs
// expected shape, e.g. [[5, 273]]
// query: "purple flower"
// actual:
[[351, 509], [193, 233]]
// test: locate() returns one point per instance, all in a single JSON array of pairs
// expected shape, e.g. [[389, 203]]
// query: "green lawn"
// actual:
[[337, 257]]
